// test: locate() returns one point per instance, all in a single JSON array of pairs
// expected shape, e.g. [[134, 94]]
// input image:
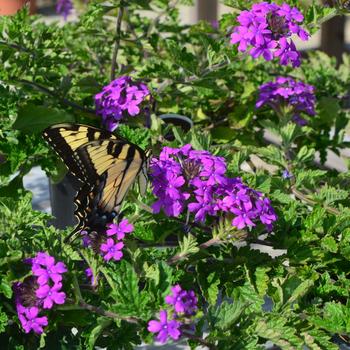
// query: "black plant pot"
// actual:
[[178, 120], [62, 202], [182, 121]]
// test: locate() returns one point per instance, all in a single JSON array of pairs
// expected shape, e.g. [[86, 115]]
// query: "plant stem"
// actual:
[[97, 310], [117, 39], [102, 312], [142, 205], [332, 14], [199, 340], [16, 46], [308, 200], [47, 91], [193, 224], [192, 78], [158, 245], [154, 23], [180, 256], [76, 290]]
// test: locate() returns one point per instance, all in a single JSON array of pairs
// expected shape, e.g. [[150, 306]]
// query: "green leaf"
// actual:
[[247, 295], [223, 134], [328, 109], [181, 57], [213, 289], [305, 154], [288, 133], [301, 290], [5, 288], [227, 314], [89, 85], [261, 280], [336, 318], [3, 321], [328, 195], [129, 300], [315, 339], [188, 245], [160, 277], [34, 119], [330, 244], [315, 219], [278, 333], [102, 323], [199, 140]]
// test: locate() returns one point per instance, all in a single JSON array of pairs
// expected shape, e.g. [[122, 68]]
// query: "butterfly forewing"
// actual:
[[65, 139]]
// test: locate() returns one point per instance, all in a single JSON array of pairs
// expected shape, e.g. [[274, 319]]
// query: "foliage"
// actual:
[[297, 299]]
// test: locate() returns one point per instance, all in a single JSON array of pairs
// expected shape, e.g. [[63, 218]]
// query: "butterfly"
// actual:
[[105, 164]]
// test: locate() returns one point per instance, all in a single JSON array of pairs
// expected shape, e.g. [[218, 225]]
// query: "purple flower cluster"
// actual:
[[266, 29], [184, 302], [40, 291], [109, 243], [184, 305], [64, 8], [185, 178], [121, 98], [286, 92]]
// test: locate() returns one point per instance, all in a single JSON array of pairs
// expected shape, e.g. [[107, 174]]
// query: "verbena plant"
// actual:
[[191, 259]]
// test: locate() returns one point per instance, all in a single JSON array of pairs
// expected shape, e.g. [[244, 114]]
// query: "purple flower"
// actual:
[[64, 8], [121, 98], [112, 250], [85, 238], [165, 328], [120, 229], [183, 301], [287, 92], [45, 268], [51, 295], [266, 31], [244, 216], [183, 178], [36, 291], [286, 174], [90, 275], [29, 319]]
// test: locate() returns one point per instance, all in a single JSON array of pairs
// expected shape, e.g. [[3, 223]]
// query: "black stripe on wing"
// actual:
[[88, 213]]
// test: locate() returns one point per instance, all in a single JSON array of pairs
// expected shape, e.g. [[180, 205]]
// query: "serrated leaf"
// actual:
[[315, 219], [288, 133], [188, 245], [5, 288], [261, 280], [300, 291], [226, 314], [329, 195], [330, 244], [328, 109], [279, 334], [305, 154], [102, 323], [34, 119], [129, 300]]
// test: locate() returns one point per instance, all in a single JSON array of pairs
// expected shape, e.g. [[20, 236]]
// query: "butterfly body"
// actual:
[[106, 165]]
